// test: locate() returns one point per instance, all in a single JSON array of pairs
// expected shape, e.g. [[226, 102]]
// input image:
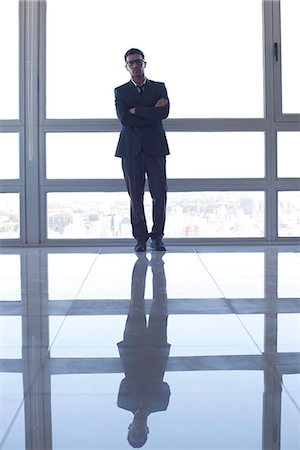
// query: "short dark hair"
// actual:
[[133, 51]]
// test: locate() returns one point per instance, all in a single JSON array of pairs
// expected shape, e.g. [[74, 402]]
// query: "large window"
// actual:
[[9, 117], [208, 71], [91, 155], [231, 73]]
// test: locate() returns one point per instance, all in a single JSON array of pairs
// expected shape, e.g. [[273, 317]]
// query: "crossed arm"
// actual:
[[142, 115], [159, 104]]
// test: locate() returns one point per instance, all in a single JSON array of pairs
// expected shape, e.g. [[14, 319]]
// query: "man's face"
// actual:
[[135, 65]]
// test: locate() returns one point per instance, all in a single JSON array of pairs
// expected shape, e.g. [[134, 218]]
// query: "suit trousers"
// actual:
[[135, 171]]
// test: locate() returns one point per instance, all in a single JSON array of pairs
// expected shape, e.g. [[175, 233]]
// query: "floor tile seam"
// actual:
[[26, 392], [229, 303], [290, 396], [209, 273], [87, 274]]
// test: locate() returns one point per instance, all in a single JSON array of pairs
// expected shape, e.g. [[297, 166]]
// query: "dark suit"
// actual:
[[142, 146]]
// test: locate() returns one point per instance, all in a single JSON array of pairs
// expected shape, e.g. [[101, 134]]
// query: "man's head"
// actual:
[[134, 51], [135, 64]]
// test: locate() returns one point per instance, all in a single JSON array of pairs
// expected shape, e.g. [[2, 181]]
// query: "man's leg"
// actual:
[[134, 174], [156, 172]]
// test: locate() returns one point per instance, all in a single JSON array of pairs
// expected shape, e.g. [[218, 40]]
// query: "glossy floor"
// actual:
[[195, 348]]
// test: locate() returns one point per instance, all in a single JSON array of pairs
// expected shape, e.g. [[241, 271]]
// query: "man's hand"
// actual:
[[161, 102], [132, 110]]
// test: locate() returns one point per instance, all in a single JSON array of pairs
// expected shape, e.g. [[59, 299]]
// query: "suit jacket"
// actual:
[[142, 130]]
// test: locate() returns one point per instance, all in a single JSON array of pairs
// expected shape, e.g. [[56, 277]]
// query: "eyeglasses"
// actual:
[[138, 62]]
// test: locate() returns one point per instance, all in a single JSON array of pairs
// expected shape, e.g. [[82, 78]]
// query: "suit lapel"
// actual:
[[134, 92], [146, 95]]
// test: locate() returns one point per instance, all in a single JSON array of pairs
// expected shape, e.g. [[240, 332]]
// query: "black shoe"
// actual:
[[158, 245], [140, 247]]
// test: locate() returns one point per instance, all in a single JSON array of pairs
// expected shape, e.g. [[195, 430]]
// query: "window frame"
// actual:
[[33, 126]]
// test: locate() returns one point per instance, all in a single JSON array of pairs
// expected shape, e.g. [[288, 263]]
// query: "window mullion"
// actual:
[[31, 120]]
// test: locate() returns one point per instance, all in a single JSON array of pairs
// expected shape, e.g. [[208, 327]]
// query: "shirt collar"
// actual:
[[136, 85]]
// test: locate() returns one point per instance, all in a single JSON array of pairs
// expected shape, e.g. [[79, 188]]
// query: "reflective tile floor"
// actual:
[[195, 348]]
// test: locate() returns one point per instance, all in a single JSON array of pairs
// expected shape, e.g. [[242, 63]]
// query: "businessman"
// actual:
[[141, 105]]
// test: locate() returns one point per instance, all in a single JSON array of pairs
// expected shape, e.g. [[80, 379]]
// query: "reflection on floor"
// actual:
[[195, 348]]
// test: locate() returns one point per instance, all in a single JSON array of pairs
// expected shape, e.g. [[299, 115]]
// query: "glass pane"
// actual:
[[229, 71], [288, 156], [189, 214], [290, 36], [10, 216], [215, 214], [9, 56], [10, 278], [75, 215], [289, 213], [82, 155], [11, 337], [211, 155], [9, 156]]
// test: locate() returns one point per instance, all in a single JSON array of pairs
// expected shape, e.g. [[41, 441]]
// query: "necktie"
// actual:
[[140, 88]]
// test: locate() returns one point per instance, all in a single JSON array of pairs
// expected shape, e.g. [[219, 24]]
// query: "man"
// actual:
[[141, 105]]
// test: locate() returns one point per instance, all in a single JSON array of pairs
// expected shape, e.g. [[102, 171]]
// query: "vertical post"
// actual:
[[270, 144], [32, 200]]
